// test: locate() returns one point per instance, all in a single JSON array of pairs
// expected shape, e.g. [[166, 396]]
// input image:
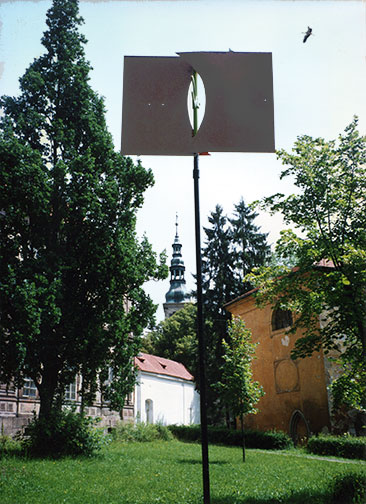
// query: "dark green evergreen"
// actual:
[[232, 247], [70, 261], [250, 248], [218, 288]]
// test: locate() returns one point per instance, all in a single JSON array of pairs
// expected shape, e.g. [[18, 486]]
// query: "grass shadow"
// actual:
[[199, 462]]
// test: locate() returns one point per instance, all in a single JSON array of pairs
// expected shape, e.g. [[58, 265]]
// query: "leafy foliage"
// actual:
[[349, 389], [339, 446], [9, 445], [70, 261], [236, 386], [175, 338], [349, 488], [329, 283], [64, 433]]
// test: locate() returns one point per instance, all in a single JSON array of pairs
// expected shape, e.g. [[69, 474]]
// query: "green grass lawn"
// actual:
[[171, 473]]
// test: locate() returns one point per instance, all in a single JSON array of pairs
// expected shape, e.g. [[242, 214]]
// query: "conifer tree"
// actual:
[[250, 247], [217, 264], [70, 261], [232, 247]]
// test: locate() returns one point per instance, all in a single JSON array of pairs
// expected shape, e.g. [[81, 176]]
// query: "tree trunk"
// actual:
[[46, 396], [227, 417], [82, 405], [242, 436], [363, 341], [47, 391]]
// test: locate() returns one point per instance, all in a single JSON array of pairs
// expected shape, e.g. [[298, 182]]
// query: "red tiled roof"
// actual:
[[159, 365]]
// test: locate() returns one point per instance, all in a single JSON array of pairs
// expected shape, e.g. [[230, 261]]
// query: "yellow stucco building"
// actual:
[[296, 397]]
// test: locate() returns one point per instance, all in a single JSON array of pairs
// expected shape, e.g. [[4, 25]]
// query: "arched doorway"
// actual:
[[149, 411], [299, 428]]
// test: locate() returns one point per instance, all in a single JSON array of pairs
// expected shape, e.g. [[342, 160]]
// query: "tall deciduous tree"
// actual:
[[70, 261], [175, 338], [329, 211], [237, 387]]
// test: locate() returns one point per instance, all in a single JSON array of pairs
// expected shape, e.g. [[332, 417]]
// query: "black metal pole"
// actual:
[[201, 345]]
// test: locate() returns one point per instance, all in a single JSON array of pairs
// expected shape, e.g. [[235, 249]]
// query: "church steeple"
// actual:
[[177, 293]]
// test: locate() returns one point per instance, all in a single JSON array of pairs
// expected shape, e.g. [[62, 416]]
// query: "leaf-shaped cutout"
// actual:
[[196, 99]]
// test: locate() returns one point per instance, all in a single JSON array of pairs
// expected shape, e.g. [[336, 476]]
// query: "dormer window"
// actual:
[[281, 319]]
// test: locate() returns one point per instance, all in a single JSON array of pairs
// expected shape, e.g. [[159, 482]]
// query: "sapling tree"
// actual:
[[71, 266], [237, 388]]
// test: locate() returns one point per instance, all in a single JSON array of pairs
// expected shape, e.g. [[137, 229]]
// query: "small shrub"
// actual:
[[269, 440], [8, 445], [340, 446], [163, 432], [186, 432], [64, 433], [141, 432], [349, 488]]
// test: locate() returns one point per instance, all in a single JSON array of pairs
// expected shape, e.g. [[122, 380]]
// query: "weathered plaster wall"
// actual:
[[288, 385]]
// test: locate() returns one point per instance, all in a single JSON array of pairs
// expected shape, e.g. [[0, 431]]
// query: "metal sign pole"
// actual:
[[204, 436], [154, 122]]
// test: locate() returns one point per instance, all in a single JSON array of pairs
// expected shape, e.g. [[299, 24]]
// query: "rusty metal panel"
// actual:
[[239, 104], [155, 115], [239, 101]]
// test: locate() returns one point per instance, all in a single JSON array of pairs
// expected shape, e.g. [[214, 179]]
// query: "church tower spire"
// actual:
[[177, 293]]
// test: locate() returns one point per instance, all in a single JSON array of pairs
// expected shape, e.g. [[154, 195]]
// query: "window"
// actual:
[[70, 392], [281, 319], [29, 388]]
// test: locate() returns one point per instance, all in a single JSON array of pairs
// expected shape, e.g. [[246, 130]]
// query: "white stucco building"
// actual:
[[165, 392]]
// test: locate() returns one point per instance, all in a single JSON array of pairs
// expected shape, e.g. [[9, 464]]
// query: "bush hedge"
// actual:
[[340, 446], [9, 445], [269, 440], [64, 433], [349, 488], [141, 432]]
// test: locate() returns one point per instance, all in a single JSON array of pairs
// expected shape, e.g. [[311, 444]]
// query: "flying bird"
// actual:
[[307, 34]]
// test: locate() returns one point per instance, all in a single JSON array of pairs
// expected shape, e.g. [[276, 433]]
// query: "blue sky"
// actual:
[[318, 87]]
